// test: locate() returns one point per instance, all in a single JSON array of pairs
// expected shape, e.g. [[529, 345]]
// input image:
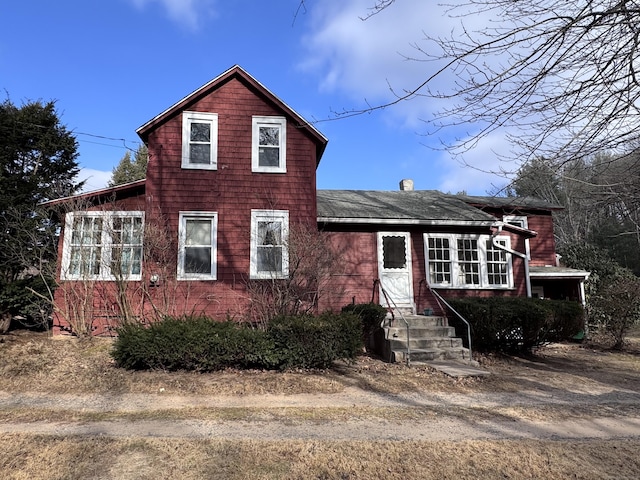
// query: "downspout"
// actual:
[[524, 256]]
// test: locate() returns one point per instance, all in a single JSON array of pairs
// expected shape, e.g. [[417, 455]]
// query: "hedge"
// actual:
[[516, 324], [203, 344]]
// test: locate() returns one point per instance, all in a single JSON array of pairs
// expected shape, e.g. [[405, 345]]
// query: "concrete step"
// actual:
[[426, 343], [400, 333], [420, 321], [429, 354]]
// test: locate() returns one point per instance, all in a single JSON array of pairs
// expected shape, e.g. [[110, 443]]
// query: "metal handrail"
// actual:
[[406, 323], [439, 297]]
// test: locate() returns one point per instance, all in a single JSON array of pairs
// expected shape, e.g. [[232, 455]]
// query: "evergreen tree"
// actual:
[[130, 171], [38, 162]]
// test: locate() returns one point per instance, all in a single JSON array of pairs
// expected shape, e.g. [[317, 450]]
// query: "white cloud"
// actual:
[[188, 13], [474, 171], [95, 179], [366, 59]]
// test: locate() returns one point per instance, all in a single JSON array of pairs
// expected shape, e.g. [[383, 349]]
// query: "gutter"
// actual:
[[405, 221], [524, 256]]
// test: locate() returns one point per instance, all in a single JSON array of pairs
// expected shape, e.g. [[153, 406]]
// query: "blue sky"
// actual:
[[112, 65]]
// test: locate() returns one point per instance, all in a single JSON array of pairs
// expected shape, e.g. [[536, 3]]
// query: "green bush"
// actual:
[[315, 342], [189, 343], [370, 314], [515, 324], [201, 344]]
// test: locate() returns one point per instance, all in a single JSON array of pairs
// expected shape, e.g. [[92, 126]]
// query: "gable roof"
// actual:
[[236, 72], [413, 207]]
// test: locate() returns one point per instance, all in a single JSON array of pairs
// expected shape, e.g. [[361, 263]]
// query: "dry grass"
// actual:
[[40, 458], [36, 363]]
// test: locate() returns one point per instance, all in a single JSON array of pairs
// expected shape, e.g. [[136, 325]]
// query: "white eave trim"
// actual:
[[578, 274], [405, 221]]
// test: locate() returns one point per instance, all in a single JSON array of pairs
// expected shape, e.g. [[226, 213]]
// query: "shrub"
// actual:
[[617, 307], [189, 343], [370, 315], [315, 342], [512, 324], [201, 344]]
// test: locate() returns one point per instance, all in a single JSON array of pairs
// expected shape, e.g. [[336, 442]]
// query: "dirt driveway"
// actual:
[[564, 392]]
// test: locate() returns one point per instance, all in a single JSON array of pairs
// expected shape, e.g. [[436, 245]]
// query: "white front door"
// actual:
[[394, 269]]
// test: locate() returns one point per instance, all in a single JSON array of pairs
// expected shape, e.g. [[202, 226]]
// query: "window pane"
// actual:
[[497, 264], [270, 136], [199, 153], [439, 261], [198, 232], [270, 259], [394, 252], [197, 260], [200, 132], [269, 156], [136, 261], [468, 264], [269, 233]]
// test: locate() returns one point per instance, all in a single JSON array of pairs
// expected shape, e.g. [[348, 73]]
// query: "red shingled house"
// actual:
[[232, 169]]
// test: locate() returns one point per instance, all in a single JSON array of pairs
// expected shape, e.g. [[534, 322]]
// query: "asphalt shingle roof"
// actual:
[[404, 206]]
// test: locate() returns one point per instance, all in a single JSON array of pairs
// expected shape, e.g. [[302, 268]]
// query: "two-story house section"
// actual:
[[231, 170], [231, 175]]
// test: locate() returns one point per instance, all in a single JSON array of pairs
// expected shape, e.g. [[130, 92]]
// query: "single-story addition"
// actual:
[[229, 194]]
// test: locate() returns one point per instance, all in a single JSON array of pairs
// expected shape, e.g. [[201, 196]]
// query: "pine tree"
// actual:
[[128, 170]]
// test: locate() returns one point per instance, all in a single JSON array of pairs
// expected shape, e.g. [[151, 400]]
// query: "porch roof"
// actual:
[[409, 207], [557, 273]]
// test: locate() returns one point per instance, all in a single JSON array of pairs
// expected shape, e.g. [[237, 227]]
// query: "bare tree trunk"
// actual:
[[5, 322]]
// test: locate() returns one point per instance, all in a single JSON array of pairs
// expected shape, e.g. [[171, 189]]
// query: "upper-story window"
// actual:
[[102, 246], [516, 220], [468, 261], [269, 140], [200, 140]]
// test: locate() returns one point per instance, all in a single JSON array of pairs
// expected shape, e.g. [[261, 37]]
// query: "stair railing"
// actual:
[[390, 301], [440, 299]]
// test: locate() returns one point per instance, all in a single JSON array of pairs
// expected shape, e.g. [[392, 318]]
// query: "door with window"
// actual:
[[394, 269]]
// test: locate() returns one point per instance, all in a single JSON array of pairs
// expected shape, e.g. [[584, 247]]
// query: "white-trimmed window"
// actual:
[[498, 264], [197, 246], [200, 140], [102, 245], [269, 237], [269, 140], [467, 261], [516, 220]]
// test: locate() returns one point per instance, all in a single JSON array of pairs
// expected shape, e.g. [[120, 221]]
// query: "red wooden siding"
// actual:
[[543, 247], [232, 190]]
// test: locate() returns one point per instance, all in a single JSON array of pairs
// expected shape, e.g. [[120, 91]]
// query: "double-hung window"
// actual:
[[497, 263], [197, 245], [269, 238], [200, 140], [269, 140], [102, 246], [467, 261]]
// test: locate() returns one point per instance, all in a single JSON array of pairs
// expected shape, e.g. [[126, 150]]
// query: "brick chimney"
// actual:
[[406, 184]]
